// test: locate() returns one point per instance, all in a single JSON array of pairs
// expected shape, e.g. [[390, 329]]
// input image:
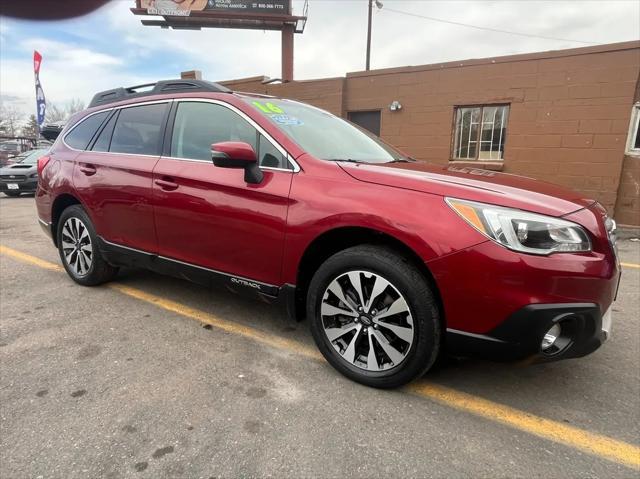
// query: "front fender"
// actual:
[[421, 221]]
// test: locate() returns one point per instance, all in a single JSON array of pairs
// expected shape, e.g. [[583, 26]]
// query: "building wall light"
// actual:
[[395, 106]]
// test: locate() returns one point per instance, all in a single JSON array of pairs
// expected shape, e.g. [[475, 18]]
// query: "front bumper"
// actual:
[[520, 335], [499, 303]]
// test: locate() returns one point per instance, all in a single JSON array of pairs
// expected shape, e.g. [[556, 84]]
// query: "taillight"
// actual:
[[42, 162]]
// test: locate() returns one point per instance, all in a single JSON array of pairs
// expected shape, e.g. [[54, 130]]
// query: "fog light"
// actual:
[[551, 336]]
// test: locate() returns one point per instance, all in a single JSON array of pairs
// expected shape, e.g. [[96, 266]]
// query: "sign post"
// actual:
[[41, 103], [241, 14]]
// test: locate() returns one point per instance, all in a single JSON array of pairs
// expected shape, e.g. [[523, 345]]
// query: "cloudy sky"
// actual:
[[111, 48]]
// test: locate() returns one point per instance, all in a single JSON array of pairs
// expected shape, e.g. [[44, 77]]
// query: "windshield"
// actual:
[[30, 157], [323, 134]]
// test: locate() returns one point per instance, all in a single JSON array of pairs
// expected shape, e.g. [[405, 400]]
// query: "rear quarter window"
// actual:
[[81, 134]]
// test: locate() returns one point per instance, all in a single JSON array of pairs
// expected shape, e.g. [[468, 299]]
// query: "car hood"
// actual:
[[18, 169], [472, 184]]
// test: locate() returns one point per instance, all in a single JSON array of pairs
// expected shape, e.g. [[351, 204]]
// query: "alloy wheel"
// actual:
[[367, 320], [76, 246]]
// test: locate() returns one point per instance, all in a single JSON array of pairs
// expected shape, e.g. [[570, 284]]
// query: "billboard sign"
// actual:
[[183, 8]]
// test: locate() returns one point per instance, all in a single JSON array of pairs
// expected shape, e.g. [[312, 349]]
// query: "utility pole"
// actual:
[[378, 6], [369, 36]]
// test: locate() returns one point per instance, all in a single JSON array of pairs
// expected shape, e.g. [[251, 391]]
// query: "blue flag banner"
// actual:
[[41, 103]]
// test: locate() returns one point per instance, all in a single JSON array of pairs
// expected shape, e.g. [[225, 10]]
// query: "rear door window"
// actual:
[[80, 136], [138, 130]]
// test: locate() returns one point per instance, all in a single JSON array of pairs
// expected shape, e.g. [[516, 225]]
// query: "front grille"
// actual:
[[10, 178]]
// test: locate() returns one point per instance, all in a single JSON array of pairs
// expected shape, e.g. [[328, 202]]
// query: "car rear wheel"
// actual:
[[373, 316], [77, 245]]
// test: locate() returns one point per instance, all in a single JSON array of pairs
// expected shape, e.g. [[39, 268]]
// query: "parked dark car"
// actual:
[[50, 131], [391, 260], [22, 175], [8, 150]]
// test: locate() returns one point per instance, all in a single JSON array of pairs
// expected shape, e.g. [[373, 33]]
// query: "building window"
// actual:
[[369, 120], [480, 132], [633, 141]]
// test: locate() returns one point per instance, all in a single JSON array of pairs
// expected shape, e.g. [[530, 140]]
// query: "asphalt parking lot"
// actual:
[[156, 377]]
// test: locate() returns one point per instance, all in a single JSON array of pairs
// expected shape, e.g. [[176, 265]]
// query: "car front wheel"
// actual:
[[373, 316]]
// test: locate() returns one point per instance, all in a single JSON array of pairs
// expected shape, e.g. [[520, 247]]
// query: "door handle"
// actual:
[[166, 184], [87, 169]]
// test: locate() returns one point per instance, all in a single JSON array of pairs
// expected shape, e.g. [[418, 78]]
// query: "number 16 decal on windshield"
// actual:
[[268, 107]]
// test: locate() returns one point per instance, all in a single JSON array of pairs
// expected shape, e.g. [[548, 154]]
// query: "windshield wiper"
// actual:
[[402, 160], [396, 160]]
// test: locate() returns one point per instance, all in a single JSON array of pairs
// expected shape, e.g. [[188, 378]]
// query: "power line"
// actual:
[[489, 29]]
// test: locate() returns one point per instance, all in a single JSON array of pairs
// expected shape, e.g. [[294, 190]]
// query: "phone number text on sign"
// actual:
[[248, 5]]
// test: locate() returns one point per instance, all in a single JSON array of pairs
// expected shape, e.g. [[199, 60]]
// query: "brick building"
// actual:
[[569, 117]]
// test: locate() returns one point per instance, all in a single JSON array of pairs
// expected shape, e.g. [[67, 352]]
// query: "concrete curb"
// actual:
[[627, 232]]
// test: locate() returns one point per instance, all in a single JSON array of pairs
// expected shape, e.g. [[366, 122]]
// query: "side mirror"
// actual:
[[237, 154]]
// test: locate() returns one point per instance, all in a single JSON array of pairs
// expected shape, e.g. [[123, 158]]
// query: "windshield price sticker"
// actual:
[[286, 120], [277, 114]]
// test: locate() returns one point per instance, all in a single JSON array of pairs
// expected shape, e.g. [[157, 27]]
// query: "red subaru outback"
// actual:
[[392, 261]]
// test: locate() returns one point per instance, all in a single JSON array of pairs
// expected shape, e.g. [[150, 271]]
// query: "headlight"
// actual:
[[33, 175], [522, 231]]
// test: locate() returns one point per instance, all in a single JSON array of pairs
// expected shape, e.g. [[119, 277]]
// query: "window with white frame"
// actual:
[[633, 140], [480, 132]]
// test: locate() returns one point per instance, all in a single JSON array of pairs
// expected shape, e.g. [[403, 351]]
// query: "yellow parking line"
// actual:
[[208, 318], [630, 265], [595, 444], [591, 443], [27, 258]]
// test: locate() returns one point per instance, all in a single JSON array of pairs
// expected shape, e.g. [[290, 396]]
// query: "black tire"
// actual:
[[414, 288], [99, 271], [12, 194]]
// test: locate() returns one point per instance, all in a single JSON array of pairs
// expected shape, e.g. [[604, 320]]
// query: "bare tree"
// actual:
[[74, 106], [59, 113], [10, 119], [30, 128], [55, 113]]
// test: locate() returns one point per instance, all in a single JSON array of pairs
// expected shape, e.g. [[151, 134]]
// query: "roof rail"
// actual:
[[164, 86]]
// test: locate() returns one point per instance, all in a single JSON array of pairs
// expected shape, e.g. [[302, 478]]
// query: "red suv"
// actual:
[[393, 261]]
